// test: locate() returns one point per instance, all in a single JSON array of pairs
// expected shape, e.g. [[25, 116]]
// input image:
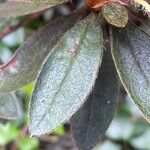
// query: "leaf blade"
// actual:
[[26, 62], [65, 67], [9, 107], [93, 118], [131, 59]]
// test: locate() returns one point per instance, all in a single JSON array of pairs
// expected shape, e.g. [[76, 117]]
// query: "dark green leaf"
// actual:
[[67, 76], [92, 120], [26, 62], [131, 53], [9, 107]]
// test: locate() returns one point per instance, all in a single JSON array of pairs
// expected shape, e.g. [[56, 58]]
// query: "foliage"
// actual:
[[74, 61]]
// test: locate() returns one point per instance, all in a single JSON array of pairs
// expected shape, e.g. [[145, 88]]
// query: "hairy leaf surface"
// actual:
[[131, 53], [9, 108], [19, 8], [93, 118], [67, 77], [24, 66]]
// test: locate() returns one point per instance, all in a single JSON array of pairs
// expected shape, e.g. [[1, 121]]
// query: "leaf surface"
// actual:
[[19, 8], [67, 76], [92, 120], [26, 62], [9, 107], [131, 53]]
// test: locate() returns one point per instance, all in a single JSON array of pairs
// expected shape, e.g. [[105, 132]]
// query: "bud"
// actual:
[[115, 14]]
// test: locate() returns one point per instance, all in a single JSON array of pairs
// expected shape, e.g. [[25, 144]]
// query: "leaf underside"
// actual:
[[131, 53], [93, 118], [67, 76], [26, 62]]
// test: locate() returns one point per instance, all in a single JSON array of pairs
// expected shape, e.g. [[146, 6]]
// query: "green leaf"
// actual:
[[9, 107], [142, 142], [92, 120], [8, 133], [60, 131], [26, 62], [14, 8], [131, 53], [115, 14], [67, 76], [28, 144]]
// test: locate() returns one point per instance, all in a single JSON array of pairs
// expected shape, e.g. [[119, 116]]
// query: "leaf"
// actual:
[[131, 53], [12, 9], [8, 133], [26, 62], [108, 144], [67, 76], [92, 120], [145, 25], [142, 142], [116, 133], [115, 14], [9, 107], [28, 143]]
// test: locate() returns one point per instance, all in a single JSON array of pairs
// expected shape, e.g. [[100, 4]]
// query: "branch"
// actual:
[[23, 23]]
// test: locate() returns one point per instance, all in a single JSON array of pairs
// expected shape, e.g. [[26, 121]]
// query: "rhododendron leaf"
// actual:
[[93, 118], [67, 76], [26, 62], [131, 53]]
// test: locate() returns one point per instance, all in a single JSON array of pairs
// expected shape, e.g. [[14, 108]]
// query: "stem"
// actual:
[[25, 22]]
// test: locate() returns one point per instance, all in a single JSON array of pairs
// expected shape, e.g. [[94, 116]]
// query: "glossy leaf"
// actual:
[[131, 53], [91, 121], [26, 62], [67, 76], [19, 8], [9, 107]]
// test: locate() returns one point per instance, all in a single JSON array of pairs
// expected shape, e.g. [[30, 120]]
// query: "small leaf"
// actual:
[[67, 76], [8, 133], [19, 8], [131, 53], [26, 62], [9, 107], [28, 143], [115, 14], [92, 120]]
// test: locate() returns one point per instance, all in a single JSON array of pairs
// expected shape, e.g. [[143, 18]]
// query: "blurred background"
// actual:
[[128, 130]]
